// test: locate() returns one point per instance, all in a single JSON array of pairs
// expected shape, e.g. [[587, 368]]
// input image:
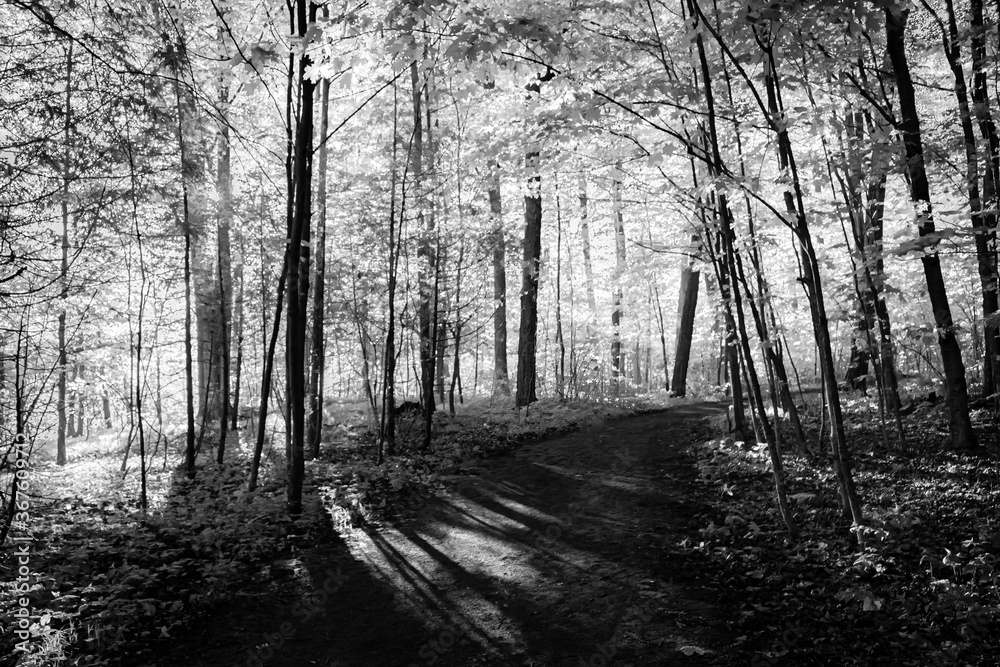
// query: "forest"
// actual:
[[499, 332]]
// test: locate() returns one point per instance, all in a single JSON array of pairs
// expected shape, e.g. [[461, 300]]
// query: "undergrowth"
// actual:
[[109, 584], [922, 589]]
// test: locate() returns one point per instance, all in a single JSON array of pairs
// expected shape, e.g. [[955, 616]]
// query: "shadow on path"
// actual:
[[565, 552]]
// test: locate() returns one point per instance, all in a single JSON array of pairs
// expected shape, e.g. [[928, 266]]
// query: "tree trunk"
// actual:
[[531, 264], [501, 377], [561, 358], [298, 267], [588, 268], [427, 260], [64, 265], [456, 377], [617, 370], [986, 233], [960, 426], [268, 374], [529, 282], [812, 284], [868, 234], [314, 432], [186, 170], [732, 335], [728, 252], [224, 188], [387, 430], [686, 308], [238, 335], [663, 336]]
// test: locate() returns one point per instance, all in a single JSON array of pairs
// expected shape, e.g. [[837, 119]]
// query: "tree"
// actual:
[[530, 266], [960, 426], [501, 378], [616, 312], [298, 262]]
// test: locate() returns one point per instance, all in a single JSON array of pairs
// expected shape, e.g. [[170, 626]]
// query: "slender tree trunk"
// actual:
[[687, 307], [716, 166], [561, 358], [387, 430], [616, 313], [298, 266], [224, 188], [441, 331], [224, 415], [501, 377], [314, 432], [64, 265], [960, 426], [456, 377], [812, 284], [732, 335], [770, 348], [138, 372], [266, 381], [238, 335], [868, 224], [185, 170], [663, 337], [588, 268]]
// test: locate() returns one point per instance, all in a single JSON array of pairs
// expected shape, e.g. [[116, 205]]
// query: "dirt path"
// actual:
[[562, 553]]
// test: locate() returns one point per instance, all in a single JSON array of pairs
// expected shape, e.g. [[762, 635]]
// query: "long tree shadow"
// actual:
[[563, 552]]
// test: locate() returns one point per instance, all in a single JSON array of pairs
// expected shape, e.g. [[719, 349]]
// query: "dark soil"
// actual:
[[565, 552]]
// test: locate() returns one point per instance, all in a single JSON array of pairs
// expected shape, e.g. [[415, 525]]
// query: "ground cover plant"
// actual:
[[916, 585], [290, 280], [112, 585]]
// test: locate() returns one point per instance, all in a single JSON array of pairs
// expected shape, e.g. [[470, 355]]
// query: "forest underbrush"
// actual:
[[109, 584], [916, 585]]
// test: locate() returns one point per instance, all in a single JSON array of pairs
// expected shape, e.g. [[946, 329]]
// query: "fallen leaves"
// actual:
[[919, 585]]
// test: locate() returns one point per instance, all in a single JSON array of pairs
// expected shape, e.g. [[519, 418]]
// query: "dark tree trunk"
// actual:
[[224, 188], [812, 284], [532, 256], [686, 309], [62, 425], [986, 231], [298, 267], [960, 426], [317, 366], [529, 285], [729, 267], [663, 338]]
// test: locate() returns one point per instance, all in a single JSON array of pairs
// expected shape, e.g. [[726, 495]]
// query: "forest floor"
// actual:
[[580, 534], [565, 551]]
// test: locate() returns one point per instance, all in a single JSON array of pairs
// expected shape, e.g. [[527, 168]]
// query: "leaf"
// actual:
[[692, 650], [871, 603]]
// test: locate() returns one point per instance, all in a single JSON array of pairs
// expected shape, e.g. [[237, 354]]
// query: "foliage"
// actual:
[[917, 585], [111, 585]]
